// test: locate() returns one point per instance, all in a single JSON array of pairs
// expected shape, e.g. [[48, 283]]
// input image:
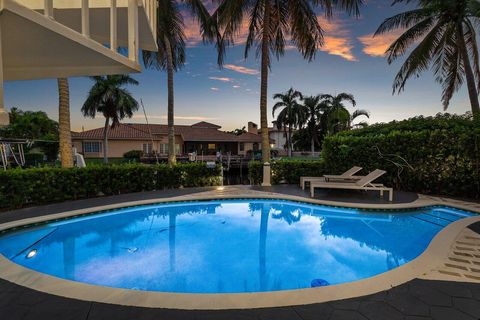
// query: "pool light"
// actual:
[[31, 254]]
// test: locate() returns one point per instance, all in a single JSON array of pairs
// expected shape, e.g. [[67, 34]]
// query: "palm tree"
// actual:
[[447, 40], [270, 24], [171, 51], [65, 134], [355, 115], [292, 114], [336, 116], [313, 108], [108, 97]]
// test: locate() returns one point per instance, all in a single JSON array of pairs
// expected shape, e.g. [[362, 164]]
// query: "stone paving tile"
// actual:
[[407, 304], [374, 310], [468, 306], [429, 295], [445, 313], [451, 288], [346, 315], [348, 304], [314, 311]]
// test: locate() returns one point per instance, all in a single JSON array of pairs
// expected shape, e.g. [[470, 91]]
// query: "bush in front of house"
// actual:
[[133, 155], [23, 187]]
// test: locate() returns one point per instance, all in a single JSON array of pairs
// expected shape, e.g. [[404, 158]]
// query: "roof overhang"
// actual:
[[36, 47]]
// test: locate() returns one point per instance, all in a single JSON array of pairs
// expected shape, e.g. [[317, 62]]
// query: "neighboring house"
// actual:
[[53, 39], [279, 138], [203, 138]]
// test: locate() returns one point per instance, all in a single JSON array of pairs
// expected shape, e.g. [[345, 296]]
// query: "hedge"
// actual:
[[442, 162], [286, 171], [22, 187], [435, 155]]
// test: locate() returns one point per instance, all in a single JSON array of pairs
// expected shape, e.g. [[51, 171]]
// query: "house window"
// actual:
[[164, 148], [147, 148], [92, 147], [211, 146], [242, 146]]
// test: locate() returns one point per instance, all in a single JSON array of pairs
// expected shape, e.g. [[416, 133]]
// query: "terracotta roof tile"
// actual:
[[202, 131]]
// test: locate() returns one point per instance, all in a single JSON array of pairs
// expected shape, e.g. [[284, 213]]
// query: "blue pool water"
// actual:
[[226, 246]]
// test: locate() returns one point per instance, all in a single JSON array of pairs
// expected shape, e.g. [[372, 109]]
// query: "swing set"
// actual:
[[12, 152]]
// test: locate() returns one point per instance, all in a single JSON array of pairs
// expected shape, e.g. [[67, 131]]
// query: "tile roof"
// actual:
[[199, 132]]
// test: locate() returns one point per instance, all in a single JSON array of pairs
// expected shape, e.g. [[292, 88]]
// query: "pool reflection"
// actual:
[[228, 246]]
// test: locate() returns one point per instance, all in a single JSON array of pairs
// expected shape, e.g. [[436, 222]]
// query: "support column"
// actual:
[[4, 118], [48, 8], [113, 25], [133, 30], [85, 18]]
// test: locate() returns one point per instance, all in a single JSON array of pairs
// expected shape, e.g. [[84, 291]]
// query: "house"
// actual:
[[53, 39], [278, 138], [204, 138]]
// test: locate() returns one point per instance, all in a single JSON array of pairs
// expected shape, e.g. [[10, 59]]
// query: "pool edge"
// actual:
[[435, 253]]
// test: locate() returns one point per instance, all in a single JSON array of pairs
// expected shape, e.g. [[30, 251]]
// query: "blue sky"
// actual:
[[350, 61]]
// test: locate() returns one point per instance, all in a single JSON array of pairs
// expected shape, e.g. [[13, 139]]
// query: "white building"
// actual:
[[66, 38]]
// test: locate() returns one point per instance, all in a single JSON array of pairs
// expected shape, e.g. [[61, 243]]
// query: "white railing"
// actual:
[[150, 7]]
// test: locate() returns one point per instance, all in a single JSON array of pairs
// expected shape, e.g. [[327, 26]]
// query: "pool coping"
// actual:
[[435, 253]]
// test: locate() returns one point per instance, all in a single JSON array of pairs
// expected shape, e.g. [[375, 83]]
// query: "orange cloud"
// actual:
[[377, 46], [223, 79], [338, 39], [241, 69]]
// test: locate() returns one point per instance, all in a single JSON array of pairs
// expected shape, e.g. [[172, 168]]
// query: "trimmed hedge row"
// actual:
[[19, 188], [442, 157], [286, 171], [443, 162]]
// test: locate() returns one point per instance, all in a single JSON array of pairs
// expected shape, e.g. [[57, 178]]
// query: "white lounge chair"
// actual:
[[366, 183], [346, 176]]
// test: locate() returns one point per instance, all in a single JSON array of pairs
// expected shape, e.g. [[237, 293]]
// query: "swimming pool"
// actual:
[[226, 246]]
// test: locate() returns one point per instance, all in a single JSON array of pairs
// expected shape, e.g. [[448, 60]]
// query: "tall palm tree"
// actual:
[[291, 116], [336, 117], [313, 109], [270, 24], [171, 51], [65, 135], [109, 97], [447, 40]]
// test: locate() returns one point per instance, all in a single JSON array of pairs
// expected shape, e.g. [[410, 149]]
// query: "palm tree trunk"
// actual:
[[264, 84], [105, 140], [290, 145], [312, 145], [171, 114], [64, 123], [471, 85]]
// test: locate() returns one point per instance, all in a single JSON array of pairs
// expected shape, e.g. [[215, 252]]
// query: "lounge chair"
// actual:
[[346, 176], [366, 183]]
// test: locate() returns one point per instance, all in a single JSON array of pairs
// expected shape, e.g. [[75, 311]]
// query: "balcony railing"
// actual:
[[85, 7]]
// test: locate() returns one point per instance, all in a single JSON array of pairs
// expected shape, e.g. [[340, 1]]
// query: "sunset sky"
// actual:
[[351, 61]]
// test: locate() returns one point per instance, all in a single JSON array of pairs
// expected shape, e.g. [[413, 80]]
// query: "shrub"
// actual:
[[133, 155], [286, 171], [19, 188], [433, 155]]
